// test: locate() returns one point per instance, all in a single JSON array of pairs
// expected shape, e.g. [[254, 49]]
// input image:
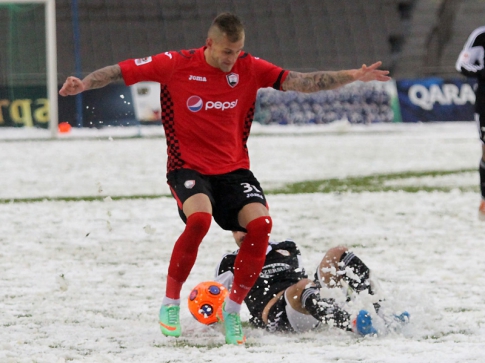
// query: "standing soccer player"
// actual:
[[208, 97], [471, 63]]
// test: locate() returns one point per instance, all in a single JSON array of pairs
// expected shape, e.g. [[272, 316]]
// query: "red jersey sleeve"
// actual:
[[157, 68], [268, 75]]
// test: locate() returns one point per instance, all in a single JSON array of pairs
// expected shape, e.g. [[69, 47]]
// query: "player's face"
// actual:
[[238, 237], [223, 54]]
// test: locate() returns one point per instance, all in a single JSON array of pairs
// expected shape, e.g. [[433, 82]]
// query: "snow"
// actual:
[[82, 281]]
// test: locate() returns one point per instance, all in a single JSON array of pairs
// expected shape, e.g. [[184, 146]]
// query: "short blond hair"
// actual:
[[229, 25]]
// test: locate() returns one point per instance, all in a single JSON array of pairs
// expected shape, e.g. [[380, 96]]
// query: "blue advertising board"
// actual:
[[436, 99]]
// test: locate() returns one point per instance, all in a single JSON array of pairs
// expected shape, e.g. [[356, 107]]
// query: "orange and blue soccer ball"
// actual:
[[205, 300]]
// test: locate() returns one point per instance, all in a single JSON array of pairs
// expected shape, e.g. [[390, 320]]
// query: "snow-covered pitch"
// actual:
[[82, 281]]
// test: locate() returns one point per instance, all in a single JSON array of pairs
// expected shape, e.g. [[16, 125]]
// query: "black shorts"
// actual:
[[480, 119], [228, 193]]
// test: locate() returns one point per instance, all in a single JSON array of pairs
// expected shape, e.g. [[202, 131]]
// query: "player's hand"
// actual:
[[371, 73], [72, 86]]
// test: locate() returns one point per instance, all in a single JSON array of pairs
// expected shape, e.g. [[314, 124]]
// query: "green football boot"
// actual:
[[170, 320], [233, 327]]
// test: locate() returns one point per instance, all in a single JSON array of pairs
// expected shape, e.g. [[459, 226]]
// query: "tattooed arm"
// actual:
[[319, 81], [96, 79]]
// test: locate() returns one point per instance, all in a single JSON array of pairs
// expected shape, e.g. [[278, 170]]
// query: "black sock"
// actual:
[[482, 177], [325, 310], [359, 281], [359, 278]]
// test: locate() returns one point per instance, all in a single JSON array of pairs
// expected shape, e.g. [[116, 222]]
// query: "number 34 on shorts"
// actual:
[[252, 191]]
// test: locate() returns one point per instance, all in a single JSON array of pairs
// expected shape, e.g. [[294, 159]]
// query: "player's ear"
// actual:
[[209, 42]]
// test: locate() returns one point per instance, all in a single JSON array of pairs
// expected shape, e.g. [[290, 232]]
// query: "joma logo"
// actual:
[[197, 78]]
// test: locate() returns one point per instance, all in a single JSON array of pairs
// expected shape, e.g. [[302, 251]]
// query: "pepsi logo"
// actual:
[[195, 103]]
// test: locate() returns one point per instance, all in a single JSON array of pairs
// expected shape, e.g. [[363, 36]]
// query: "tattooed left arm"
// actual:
[[319, 81]]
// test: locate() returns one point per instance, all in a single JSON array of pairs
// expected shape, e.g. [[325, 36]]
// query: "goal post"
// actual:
[[50, 56]]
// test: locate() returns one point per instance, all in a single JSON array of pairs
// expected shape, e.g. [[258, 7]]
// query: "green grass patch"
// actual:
[[79, 199], [373, 183], [359, 184]]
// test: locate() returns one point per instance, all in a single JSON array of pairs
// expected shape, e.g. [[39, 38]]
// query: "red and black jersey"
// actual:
[[206, 113]]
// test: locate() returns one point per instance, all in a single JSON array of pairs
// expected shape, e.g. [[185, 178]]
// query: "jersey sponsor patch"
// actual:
[[195, 103], [272, 269], [141, 61], [232, 79], [218, 105]]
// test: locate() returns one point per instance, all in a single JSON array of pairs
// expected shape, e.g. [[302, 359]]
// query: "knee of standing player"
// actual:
[[257, 237], [260, 226], [199, 223]]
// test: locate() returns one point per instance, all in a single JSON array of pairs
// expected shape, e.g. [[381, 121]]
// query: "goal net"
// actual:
[[28, 64]]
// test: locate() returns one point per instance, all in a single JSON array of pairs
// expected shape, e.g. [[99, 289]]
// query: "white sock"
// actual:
[[168, 301], [232, 307]]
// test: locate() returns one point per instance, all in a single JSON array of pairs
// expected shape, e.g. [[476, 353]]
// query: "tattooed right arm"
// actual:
[[102, 77]]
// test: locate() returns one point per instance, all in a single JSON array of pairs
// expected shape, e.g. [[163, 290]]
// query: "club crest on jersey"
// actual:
[[141, 61], [189, 184], [232, 79]]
